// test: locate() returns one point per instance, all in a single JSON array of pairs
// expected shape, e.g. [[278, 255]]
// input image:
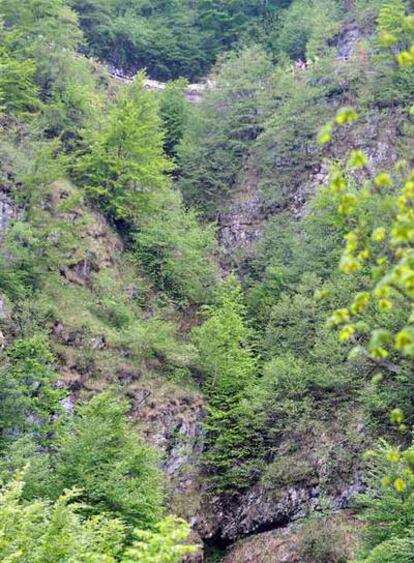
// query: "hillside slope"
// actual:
[[167, 271]]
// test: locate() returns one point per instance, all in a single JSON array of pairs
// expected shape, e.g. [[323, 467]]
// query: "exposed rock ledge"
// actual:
[[8, 212], [193, 92], [260, 509]]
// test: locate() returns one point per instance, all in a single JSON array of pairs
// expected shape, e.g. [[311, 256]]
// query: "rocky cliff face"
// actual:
[[241, 222], [259, 519], [261, 509], [263, 512], [280, 546], [172, 420], [8, 212], [255, 526]]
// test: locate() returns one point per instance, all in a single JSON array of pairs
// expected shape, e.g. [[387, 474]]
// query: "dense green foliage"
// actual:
[[97, 453], [224, 345], [216, 145], [28, 398], [53, 125], [43, 531], [306, 27], [174, 114], [121, 316], [173, 38], [124, 171]]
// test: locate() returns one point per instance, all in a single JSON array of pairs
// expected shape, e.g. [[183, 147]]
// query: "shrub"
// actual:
[[43, 531], [29, 399], [326, 540], [175, 250], [99, 452]]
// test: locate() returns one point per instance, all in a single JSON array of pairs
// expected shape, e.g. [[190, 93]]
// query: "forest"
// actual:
[[207, 303]]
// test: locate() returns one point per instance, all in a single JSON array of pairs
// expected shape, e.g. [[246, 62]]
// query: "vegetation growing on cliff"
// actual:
[[112, 281]]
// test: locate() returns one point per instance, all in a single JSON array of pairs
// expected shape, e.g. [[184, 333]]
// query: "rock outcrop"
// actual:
[[294, 544], [193, 92], [172, 420], [261, 509], [241, 223], [8, 212]]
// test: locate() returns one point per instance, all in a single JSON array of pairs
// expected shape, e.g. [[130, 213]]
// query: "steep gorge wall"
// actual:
[[381, 135], [171, 416]]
